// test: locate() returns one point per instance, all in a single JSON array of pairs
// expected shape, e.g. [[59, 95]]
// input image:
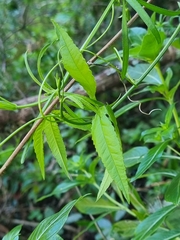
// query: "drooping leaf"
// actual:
[[61, 188], [74, 62], [133, 156], [148, 159], [83, 102], [56, 143], [151, 223], [106, 181], [109, 148], [39, 147], [159, 9], [173, 191], [125, 228], [89, 205], [50, 226], [144, 16], [13, 234], [6, 105], [141, 211], [165, 235]]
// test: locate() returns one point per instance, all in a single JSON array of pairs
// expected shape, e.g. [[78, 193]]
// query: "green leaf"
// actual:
[[144, 16], [152, 78], [13, 234], [125, 228], [173, 191], [46, 87], [83, 102], [74, 62], [147, 160], [109, 148], [151, 223], [56, 143], [133, 156], [61, 188], [39, 147], [6, 105], [150, 48], [159, 9], [89, 205], [106, 181], [136, 35], [125, 41], [165, 235], [50, 226], [141, 211]]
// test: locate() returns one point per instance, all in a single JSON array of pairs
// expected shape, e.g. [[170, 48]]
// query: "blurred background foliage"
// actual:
[[26, 26]]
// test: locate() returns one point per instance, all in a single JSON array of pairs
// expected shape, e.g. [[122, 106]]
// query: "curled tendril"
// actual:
[[137, 101]]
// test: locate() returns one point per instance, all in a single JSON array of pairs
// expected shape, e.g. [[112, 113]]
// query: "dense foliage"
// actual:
[[93, 166]]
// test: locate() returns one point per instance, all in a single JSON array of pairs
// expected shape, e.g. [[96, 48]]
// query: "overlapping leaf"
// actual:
[[151, 223], [108, 146]]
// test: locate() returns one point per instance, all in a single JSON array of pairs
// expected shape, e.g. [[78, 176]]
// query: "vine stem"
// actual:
[[56, 100]]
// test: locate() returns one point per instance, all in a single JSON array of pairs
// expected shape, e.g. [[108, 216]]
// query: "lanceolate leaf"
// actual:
[[125, 41], [151, 223], [165, 235], [106, 181], [144, 16], [109, 148], [89, 205], [159, 9], [74, 62], [147, 160], [56, 143], [39, 147], [50, 226], [13, 234], [173, 191]]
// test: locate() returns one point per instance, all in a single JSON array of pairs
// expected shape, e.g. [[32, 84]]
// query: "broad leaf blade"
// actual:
[[89, 205], [147, 160], [39, 147], [56, 143], [50, 226], [151, 223], [13, 234], [106, 181], [74, 62], [108, 146]]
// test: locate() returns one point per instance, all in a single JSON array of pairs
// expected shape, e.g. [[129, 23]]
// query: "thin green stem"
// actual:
[[153, 64], [105, 31], [18, 130], [117, 203], [96, 27], [176, 118]]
